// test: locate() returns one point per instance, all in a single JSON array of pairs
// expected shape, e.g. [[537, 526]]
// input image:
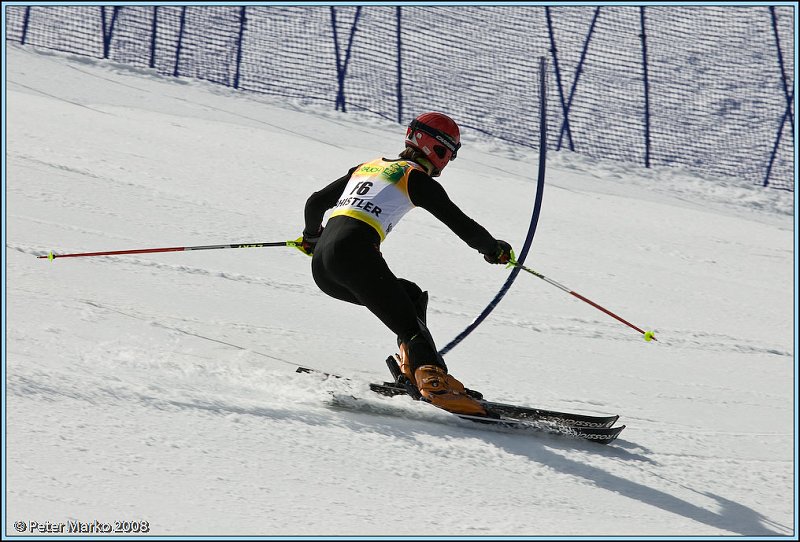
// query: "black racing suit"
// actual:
[[347, 263]]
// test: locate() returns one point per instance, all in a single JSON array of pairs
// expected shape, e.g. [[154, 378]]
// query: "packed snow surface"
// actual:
[[161, 388]]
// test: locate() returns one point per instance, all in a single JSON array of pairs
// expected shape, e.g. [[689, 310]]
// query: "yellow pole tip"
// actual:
[[649, 336]]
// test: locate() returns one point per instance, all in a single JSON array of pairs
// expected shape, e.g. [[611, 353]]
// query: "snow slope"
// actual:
[[161, 387]]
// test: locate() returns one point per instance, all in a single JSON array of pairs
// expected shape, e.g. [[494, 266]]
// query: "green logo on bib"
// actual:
[[394, 172]]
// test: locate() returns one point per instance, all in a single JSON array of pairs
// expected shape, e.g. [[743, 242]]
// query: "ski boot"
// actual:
[[432, 383]]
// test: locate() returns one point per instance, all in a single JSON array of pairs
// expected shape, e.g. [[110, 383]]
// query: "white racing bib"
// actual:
[[377, 194]]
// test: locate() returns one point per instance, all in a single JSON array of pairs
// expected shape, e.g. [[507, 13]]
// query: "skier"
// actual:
[[347, 263]]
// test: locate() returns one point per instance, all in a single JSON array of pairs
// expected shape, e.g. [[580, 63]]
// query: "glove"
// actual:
[[308, 242], [503, 253]]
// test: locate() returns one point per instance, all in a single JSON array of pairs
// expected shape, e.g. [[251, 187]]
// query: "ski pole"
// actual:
[[648, 335], [52, 256]]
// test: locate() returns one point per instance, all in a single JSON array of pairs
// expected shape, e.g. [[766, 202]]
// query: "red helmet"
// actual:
[[437, 136]]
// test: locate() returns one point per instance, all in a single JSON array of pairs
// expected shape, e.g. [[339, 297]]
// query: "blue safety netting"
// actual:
[[709, 88]]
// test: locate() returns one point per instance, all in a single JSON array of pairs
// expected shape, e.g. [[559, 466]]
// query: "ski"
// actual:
[[594, 428], [391, 389], [501, 409], [601, 435]]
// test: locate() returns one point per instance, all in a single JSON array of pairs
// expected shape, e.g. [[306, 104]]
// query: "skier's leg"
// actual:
[[387, 297], [348, 266], [418, 298], [353, 268]]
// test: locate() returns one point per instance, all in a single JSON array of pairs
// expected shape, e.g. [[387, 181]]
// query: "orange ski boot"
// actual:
[[431, 382], [444, 391]]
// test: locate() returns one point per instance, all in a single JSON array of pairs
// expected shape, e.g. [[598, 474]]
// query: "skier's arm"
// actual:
[[321, 201], [427, 193]]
